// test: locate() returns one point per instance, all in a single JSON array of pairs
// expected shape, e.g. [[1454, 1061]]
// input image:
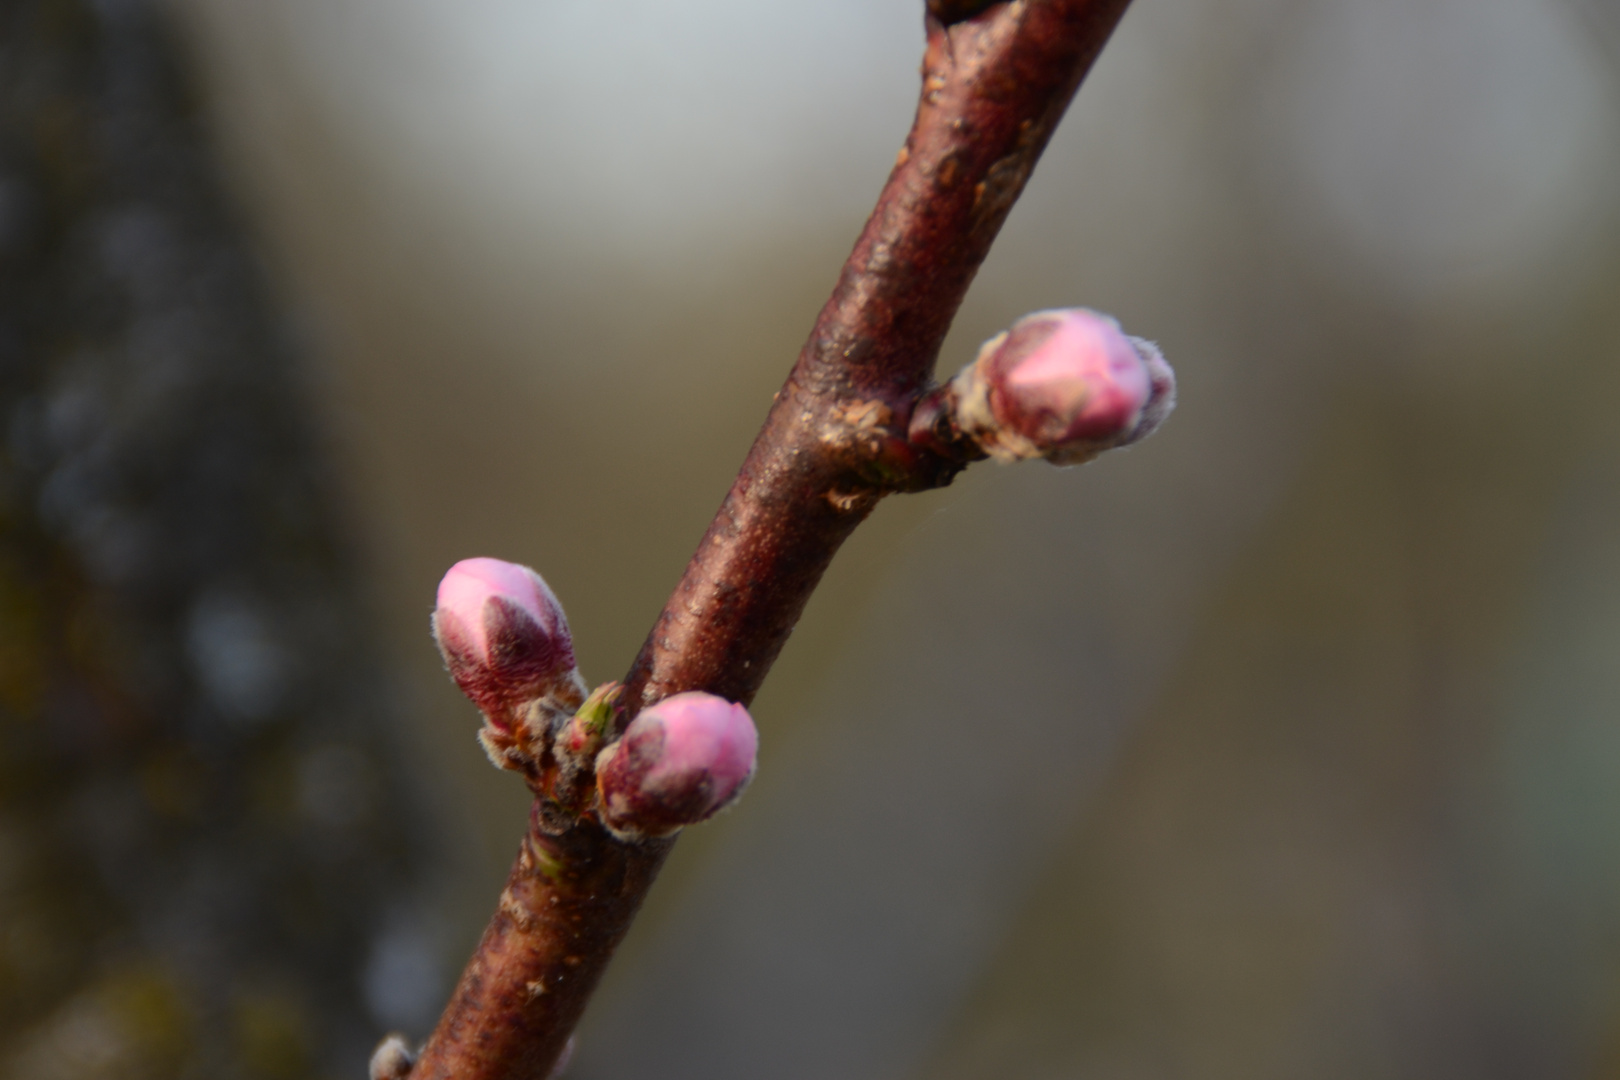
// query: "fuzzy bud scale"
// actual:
[[504, 637], [1064, 385], [679, 762]]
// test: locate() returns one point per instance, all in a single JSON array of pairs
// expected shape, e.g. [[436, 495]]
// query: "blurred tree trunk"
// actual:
[[205, 843]]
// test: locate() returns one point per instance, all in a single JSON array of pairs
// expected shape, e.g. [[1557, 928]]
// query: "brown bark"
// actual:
[[567, 904], [994, 88]]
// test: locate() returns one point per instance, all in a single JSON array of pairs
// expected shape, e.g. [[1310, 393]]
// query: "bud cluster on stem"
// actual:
[[850, 425], [506, 643]]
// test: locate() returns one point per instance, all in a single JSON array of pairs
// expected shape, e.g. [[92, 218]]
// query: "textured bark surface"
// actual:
[[994, 88], [566, 906]]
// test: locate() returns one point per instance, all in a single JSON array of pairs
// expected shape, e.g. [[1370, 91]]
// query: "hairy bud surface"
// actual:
[[504, 638], [679, 762], [1064, 385]]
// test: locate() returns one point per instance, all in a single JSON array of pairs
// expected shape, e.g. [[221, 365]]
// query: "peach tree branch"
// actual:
[[858, 418], [994, 88]]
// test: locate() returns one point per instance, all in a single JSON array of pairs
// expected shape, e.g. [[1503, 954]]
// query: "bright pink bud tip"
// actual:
[[503, 635], [679, 762], [1066, 385]]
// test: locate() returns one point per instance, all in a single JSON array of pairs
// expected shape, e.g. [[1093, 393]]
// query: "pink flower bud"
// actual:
[[504, 637], [681, 761], [1063, 385]]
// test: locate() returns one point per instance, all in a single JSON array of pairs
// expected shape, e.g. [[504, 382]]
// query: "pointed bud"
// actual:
[[392, 1060], [504, 638], [578, 743], [679, 762], [1064, 385]]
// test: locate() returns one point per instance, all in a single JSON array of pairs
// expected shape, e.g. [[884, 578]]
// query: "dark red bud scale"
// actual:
[[680, 761], [504, 638]]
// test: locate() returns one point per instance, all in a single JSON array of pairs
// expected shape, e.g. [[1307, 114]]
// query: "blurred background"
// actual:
[[1283, 745]]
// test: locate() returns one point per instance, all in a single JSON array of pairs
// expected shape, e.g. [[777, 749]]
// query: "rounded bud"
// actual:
[[1063, 385], [504, 637], [679, 762]]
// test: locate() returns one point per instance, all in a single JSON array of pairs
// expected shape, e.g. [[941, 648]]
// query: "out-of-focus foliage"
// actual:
[[203, 831]]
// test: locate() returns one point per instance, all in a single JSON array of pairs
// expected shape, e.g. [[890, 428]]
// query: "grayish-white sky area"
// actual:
[[629, 127], [1448, 145]]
